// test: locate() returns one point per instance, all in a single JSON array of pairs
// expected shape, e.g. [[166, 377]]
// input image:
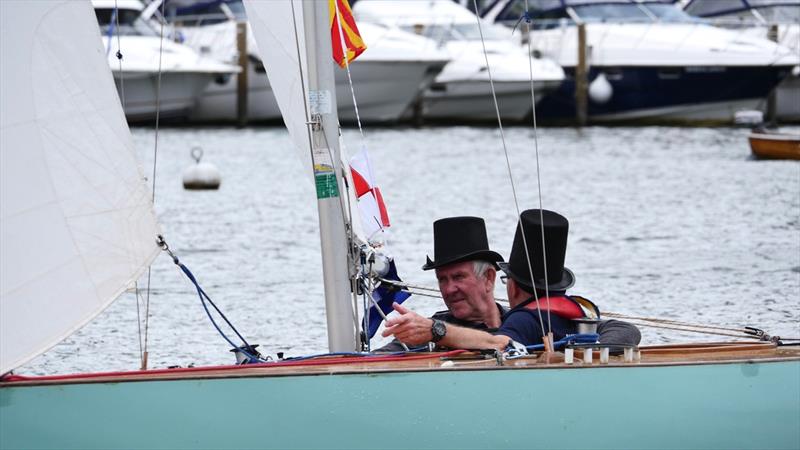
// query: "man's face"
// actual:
[[467, 297]]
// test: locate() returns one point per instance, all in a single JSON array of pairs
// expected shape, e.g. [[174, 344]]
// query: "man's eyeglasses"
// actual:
[[504, 279]]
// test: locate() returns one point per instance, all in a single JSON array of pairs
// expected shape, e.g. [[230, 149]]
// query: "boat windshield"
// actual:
[[130, 22], [459, 32], [781, 14], [207, 13], [631, 12], [547, 14]]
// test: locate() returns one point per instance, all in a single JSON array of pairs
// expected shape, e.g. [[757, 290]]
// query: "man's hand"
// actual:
[[409, 327]]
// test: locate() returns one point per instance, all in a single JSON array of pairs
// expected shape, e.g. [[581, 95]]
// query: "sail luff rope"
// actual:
[[508, 164], [538, 170]]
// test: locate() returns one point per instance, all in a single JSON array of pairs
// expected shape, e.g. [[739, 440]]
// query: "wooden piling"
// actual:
[[772, 99], [581, 79], [241, 79]]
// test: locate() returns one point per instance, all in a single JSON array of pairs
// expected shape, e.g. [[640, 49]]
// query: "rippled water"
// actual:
[[677, 223]]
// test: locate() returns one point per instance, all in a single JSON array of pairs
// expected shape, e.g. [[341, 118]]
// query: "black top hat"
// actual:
[[457, 239], [556, 227]]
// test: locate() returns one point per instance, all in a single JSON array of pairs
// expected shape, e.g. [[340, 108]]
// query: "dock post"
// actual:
[[581, 79], [772, 98], [241, 79]]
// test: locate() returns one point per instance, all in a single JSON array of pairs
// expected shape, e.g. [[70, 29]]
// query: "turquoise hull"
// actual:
[[731, 405]]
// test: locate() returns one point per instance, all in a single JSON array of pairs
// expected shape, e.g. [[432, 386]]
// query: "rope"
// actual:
[[508, 162], [245, 349]]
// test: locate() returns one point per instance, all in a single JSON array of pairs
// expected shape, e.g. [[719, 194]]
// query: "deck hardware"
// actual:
[[604, 355], [627, 354]]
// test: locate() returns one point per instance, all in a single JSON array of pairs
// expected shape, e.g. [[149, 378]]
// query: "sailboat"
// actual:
[[720, 395]]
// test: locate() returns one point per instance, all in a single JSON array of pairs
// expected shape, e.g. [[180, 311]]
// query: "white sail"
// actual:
[[278, 45], [294, 41], [77, 225]]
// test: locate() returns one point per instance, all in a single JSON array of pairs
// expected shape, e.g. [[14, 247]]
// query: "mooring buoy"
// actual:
[[201, 175]]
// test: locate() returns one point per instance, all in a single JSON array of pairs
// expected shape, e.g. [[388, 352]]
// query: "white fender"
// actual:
[[600, 90]]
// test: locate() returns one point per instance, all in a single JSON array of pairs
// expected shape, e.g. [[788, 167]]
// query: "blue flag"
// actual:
[[385, 294]]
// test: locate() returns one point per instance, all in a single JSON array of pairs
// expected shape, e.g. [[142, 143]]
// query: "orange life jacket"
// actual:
[[566, 306]]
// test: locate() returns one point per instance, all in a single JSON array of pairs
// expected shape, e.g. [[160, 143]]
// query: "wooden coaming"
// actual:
[[663, 355]]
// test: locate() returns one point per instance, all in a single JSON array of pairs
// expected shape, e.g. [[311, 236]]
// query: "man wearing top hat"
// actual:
[[466, 271], [537, 295]]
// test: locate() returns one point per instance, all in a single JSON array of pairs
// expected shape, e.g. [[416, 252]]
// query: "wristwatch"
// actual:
[[438, 330]]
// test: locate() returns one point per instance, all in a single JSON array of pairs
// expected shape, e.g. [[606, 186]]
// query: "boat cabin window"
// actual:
[[130, 22]]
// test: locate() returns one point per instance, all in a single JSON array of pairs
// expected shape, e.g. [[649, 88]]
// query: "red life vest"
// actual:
[[566, 306]]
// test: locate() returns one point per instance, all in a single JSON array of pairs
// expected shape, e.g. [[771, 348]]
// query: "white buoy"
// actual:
[[201, 175], [600, 90]]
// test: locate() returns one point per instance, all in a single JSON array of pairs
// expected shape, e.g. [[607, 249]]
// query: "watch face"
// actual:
[[438, 330]]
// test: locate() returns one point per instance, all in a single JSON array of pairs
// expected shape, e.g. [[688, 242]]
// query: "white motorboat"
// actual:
[[462, 90], [757, 18], [650, 61], [388, 76], [183, 72]]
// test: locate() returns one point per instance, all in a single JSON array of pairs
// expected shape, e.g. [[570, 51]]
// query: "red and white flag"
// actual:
[[370, 201]]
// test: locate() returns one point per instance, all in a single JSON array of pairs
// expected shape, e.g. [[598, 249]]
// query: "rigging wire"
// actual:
[[118, 54], [155, 165], [508, 166], [670, 324], [538, 170]]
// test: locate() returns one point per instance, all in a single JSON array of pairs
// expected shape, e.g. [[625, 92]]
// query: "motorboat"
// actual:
[[389, 75], [153, 73], [462, 91], [778, 20], [648, 61], [773, 145]]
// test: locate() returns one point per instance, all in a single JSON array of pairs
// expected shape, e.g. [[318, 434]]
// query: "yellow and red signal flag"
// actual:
[[352, 39]]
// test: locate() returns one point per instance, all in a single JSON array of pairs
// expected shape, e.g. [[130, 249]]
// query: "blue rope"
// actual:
[[203, 298], [589, 338]]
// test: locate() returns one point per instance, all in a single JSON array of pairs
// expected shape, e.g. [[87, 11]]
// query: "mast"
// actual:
[[325, 154]]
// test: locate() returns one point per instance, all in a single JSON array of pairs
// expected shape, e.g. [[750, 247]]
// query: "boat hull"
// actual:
[[472, 100], [746, 404], [143, 100], [667, 95], [384, 91], [775, 146]]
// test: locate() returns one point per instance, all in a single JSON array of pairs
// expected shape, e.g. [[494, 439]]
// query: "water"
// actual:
[[677, 223]]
